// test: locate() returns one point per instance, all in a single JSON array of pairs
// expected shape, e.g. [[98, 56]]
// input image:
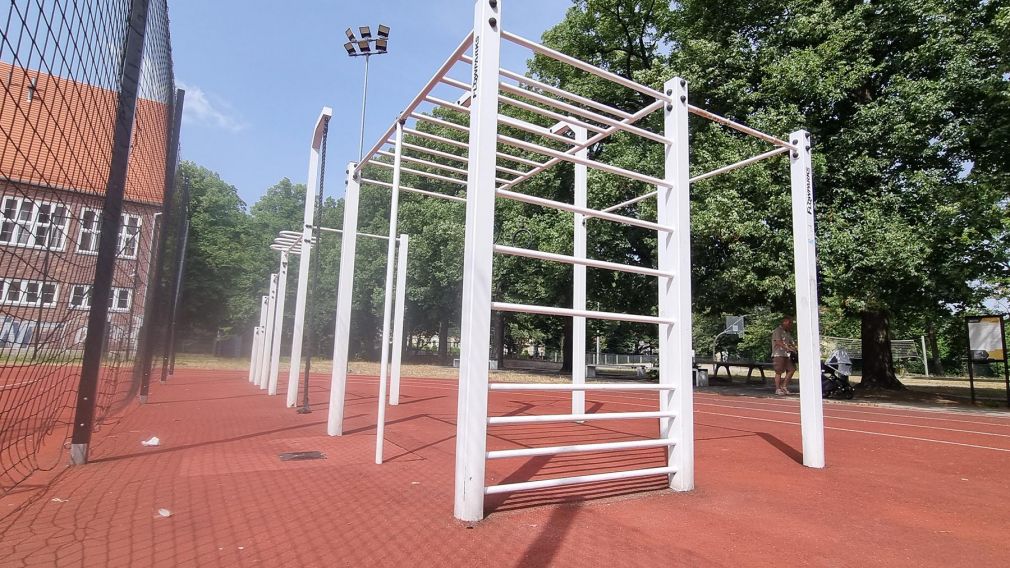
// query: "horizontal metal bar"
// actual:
[[585, 162], [583, 113], [515, 251], [555, 91], [576, 480], [434, 152], [419, 173], [465, 146], [579, 387], [544, 112], [369, 235], [423, 162], [737, 126], [578, 448], [543, 50], [739, 164], [447, 105], [592, 140], [534, 129], [632, 201], [452, 60], [533, 200], [419, 191], [569, 312], [440, 122], [540, 418]]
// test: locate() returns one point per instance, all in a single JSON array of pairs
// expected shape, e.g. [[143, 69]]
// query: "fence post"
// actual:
[[152, 314], [112, 211]]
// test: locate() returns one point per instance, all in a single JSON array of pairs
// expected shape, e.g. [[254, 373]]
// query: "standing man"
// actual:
[[783, 348]]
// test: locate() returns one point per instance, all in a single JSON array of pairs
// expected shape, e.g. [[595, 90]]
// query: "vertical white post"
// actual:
[[253, 358], [264, 305], [925, 365], [387, 301], [278, 324], [301, 296], [398, 309], [475, 336], [268, 333], [674, 251], [579, 276], [345, 288], [807, 321]]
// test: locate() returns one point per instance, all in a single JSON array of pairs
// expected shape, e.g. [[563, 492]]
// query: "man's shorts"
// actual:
[[783, 364]]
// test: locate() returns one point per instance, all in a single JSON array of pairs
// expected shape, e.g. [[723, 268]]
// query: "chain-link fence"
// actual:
[[87, 159]]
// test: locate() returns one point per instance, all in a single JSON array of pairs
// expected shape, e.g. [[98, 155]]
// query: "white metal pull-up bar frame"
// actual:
[[481, 104]]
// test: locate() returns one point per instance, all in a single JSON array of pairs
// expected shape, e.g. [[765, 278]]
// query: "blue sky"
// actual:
[[257, 73]]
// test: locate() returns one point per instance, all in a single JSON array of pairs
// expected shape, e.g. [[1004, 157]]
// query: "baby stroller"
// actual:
[[835, 376]]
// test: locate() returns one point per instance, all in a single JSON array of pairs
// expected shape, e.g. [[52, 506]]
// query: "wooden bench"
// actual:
[[751, 366]]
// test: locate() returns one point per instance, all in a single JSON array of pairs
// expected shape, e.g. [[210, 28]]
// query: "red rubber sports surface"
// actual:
[[902, 487]]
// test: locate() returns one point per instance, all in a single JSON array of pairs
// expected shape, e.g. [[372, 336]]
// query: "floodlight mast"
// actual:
[[364, 48]]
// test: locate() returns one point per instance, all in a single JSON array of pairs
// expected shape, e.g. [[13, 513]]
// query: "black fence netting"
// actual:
[[62, 68]]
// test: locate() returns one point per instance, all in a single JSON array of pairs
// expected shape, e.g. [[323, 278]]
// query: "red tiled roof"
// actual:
[[59, 134]]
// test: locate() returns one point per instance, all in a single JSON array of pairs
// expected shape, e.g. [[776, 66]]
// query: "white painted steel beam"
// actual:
[[581, 261], [533, 200], [398, 312], [429, 175], [475, 334], [387, 303], [567, 312], [576, 480], [418, 191], [278, 324], [674, 254], [738, 127], [264, 314], [586, 387], [807, 319], [583, 417], [577, 448], [301, 295], [579, 271], [578, 64], [345, 289]]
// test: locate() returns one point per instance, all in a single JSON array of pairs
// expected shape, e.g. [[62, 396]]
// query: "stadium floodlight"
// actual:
[[365, 48]]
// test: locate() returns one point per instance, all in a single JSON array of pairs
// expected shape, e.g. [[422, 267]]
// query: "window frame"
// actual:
[[19, 227], [23, 289]]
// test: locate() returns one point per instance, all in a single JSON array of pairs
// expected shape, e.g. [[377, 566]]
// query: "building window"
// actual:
[[33, 224], [27, 293], [91, 226], [120, 299]]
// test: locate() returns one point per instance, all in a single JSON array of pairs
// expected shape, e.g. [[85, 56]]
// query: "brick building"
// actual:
[[53, 174]]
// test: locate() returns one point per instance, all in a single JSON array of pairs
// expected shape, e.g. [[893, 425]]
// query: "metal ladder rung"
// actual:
[[561, 481]]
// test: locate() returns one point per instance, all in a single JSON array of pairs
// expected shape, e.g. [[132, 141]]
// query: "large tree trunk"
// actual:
[[443, 342], [498, 344], [935, 364], [878, 364], [566, 346]]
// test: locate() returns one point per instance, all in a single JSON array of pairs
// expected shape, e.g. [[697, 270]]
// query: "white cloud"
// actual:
[[209, 110]]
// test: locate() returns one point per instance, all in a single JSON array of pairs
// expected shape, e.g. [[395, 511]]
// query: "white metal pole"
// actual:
[[345, 288], [278, 324], [387, 301], [364, 99], [579, 275], [807, 323], [268, 332], [475, 336], [301, 296], [674, 251], [253, 356], [925, 365], [398, 309], [264, 305]]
